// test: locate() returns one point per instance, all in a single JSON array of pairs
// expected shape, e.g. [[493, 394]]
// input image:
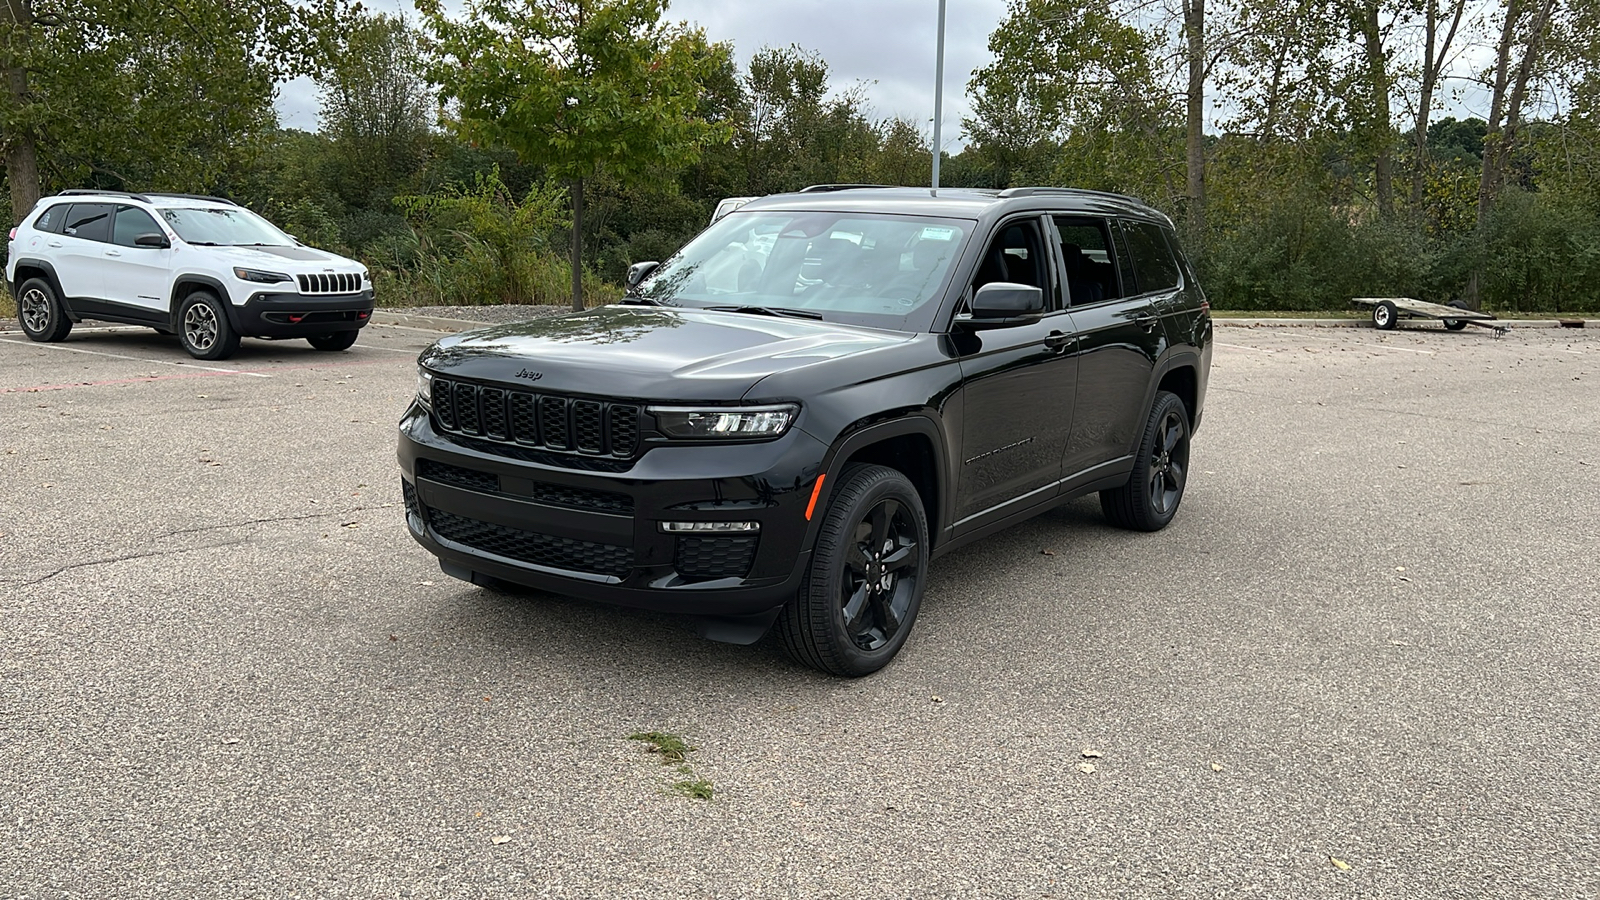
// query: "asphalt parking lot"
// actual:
[[1362, 661]]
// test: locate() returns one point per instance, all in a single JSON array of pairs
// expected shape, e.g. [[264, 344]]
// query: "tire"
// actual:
[[1456, 324], [339, 340], [203, 327], [1385, 316], [871, 554], [1161, 470], [41, 314]]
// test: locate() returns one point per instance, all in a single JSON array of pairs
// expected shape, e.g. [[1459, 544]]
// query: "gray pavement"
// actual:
[[1369, 636]]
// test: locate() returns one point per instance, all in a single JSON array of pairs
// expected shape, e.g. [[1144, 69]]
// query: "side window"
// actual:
[[90, 221], [50, 219], [1016, 255], [1152, 258], [130, 223], [1087, 258]]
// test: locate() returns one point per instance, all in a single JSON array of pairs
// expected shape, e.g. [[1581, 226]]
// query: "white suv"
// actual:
[[201, 267]]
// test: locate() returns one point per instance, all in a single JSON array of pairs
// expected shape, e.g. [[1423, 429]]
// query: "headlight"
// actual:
[[259, 277], [730, 424], [424, 387]]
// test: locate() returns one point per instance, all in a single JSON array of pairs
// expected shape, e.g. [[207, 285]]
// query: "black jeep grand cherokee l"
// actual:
[[792, 417]]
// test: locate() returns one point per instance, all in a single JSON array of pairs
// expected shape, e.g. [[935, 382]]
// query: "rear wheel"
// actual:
[[864, 587], [1155, 488], [203, 327], [339, 340], [42, 317], [1456, 324]]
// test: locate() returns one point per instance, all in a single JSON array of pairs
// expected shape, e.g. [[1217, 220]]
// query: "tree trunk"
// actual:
[[1194, 27], [1436, 52], [577, 243], [1379, 127], [22, 158], [1505, 114]]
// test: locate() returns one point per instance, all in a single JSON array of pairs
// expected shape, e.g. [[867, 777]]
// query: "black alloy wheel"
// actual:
[[40, 313], [1155, 488], [866, 579]]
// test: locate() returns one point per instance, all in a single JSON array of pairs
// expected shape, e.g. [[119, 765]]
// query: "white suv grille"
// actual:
[[329, 283]]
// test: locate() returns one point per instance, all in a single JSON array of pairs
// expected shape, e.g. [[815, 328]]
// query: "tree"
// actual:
[[377, 107], [577, 86], [131, 94]]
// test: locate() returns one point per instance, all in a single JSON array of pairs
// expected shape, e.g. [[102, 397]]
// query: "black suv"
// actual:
[[792, 417]]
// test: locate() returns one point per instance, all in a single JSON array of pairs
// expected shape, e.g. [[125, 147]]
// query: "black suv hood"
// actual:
[[649, 353]]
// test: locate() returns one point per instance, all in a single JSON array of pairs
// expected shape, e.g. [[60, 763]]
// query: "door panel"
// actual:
[[1118, 344], [79, 261], [136, 276]]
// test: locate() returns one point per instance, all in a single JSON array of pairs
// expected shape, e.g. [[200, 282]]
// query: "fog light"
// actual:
[[709, 527]]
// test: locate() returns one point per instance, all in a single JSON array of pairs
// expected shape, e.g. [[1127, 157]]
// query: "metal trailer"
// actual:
[[1388, 311]]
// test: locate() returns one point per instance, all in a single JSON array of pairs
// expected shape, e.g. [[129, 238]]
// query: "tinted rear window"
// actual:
[[50, 219], [90, 221], [1152, 258]]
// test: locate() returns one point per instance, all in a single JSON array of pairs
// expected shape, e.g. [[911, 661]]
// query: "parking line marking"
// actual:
[[1243, 347], [139, 359]]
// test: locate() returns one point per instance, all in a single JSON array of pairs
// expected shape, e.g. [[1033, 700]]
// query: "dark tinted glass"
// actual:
[[1152, 258], [50, 219], [1086, 254], [130, 224], [90, 221]]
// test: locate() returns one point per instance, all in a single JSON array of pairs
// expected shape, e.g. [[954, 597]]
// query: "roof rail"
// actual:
[[88, 192], [1061, 192], [825, 188], [193, 197]]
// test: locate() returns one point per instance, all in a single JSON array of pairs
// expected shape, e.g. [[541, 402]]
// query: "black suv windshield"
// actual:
[[225, 227], [863, 268]]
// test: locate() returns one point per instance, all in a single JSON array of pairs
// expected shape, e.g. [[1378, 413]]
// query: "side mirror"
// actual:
[[639, 272], [1003, 303], [152, 239]]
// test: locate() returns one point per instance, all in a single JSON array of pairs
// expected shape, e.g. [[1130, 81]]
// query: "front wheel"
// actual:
[[40, 313], [203, 327], [1155, 488], [1385, 316], [1456, 324], [864, 587], [339, 340]]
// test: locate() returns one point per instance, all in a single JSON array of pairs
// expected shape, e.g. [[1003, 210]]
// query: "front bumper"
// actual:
[[273, 314], [552, 522]]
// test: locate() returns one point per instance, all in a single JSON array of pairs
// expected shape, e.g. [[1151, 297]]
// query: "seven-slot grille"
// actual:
[[531, 419], [330, 283]]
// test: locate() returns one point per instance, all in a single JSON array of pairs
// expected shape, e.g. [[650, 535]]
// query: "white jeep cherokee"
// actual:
[[201, 267]]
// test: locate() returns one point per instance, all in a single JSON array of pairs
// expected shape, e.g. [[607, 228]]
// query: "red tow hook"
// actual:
[[294, 318]]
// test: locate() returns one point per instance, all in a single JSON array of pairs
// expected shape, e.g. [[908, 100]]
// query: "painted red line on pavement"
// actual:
[[77, 384], [343, 365]]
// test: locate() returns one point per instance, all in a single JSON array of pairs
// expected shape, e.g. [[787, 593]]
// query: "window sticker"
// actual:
[[933, 233]]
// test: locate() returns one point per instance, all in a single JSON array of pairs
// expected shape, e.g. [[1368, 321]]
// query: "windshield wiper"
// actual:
[[782, 311]]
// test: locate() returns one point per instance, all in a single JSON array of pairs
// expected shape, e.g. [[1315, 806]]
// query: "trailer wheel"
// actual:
[[1456, 324], [1385, 315]]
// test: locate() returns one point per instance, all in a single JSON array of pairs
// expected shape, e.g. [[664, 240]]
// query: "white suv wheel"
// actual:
[[200, 327]]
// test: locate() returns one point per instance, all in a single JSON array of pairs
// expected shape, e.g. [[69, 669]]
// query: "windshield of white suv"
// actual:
[[864, 268], [225, 228]]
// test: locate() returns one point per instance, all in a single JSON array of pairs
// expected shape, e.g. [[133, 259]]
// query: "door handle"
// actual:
[[52, 243], [1058, 341], [1148, 323], [113, 252]]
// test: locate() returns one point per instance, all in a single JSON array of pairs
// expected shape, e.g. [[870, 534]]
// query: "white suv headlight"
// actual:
[[259, 277], [729, 423]]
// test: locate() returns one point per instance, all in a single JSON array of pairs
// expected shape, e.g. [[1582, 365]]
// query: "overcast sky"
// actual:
[[886, 44]]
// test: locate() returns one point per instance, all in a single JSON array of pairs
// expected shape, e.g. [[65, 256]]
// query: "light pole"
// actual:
[[938, 96]]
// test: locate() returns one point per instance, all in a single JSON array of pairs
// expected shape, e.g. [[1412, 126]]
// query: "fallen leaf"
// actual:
[[1086, 768], [506, 839], [937, 698], [1399, 643], [230, 740], [425, 583], [1048, 552], [1090, 754], [394, 637], [1339, 864], [350, 525], [1216, 767]]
